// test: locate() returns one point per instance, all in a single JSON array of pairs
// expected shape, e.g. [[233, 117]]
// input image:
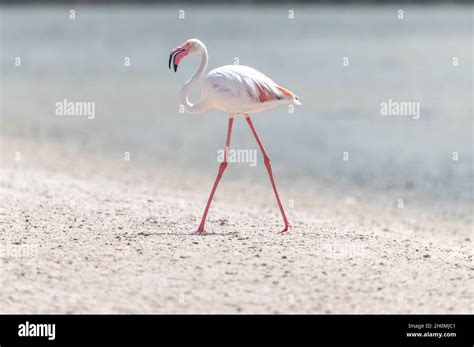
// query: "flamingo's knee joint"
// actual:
[[267, 162], [222, 166]]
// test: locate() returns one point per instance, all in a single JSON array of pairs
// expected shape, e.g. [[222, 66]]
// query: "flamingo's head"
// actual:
[[189, 47]]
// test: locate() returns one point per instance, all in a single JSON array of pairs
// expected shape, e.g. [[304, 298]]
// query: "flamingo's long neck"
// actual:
[[201, 105]]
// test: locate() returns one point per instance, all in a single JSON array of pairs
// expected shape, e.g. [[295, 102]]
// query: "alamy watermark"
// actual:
[[400, 108], [28, 329], [75, 108], [19, 251], [238, 156]]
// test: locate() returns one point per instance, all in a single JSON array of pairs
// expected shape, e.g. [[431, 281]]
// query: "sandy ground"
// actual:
[[82, 234]]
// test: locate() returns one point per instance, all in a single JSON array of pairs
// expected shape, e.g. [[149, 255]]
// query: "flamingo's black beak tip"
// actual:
[[172, 59]]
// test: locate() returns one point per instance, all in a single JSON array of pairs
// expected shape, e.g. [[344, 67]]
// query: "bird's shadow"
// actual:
[[193, 233]]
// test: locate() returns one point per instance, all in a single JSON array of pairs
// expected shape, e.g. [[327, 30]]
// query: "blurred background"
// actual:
[[342, 60]]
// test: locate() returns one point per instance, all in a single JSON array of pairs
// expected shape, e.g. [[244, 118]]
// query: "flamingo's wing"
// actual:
[[260, 87], [247, 83]]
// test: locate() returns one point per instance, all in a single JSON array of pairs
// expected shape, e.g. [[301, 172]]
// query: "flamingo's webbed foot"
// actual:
[[286, 230], [199, 231]]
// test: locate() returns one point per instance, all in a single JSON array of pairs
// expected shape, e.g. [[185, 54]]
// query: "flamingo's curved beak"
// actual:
[[176, 55]]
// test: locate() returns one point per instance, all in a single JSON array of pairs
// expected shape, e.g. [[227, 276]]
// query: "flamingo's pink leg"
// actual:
[[222, 168], [270, 173]]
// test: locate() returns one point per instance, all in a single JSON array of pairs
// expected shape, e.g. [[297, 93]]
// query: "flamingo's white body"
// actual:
[[237, 90]]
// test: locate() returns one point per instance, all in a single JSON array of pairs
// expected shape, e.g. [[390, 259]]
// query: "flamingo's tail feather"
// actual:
[[289, 94]]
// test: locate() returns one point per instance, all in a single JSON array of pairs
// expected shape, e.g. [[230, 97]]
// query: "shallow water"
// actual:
[[137, 106]]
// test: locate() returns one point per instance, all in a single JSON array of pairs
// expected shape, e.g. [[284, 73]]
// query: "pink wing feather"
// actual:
[[242, 87]]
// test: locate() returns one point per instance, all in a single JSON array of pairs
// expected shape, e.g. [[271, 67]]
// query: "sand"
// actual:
[[85, 234]]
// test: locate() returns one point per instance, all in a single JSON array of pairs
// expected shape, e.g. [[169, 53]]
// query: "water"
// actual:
[[137, 106]]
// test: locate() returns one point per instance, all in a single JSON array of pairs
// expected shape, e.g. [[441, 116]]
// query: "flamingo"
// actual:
[[237, 90]]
